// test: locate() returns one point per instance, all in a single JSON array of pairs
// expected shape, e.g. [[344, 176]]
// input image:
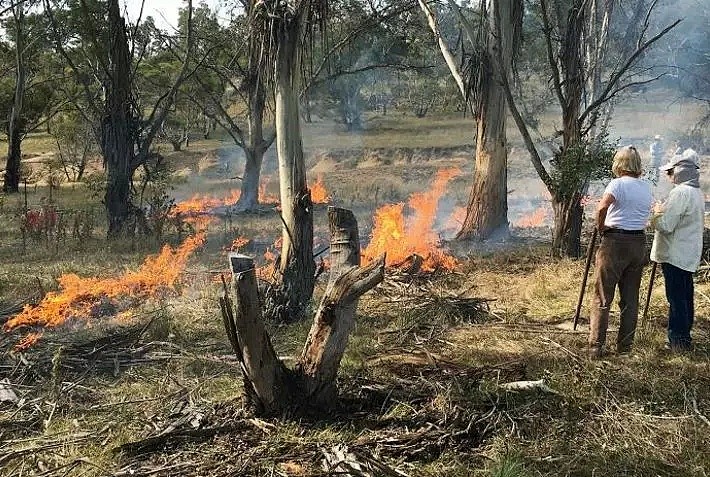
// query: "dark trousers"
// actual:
[[679, 292], [619, 261]]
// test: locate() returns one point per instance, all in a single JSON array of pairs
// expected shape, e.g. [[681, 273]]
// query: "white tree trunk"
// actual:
[[297, 263]]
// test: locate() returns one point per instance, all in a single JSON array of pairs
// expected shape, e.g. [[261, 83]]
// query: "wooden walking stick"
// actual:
[[648, 294], [590, 254]]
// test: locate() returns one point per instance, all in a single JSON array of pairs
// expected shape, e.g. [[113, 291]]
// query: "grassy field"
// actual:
[[422, 383]]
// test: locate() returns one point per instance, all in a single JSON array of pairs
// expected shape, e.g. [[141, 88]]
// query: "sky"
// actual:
[[165, 12]]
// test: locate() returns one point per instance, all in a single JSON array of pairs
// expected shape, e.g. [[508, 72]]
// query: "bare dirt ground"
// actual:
[[424, 381]]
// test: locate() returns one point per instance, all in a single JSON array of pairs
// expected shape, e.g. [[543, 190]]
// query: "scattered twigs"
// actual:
[[341, 461]]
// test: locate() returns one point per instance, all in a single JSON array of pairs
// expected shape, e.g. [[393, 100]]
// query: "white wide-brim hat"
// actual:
[[689, 156]]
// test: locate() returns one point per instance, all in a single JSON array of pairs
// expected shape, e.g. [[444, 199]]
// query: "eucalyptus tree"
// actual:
[[242, 100], [284, 31], [233, 92], [103, 54], [368, 43], [586, 75], [28, 94], [495, 33]]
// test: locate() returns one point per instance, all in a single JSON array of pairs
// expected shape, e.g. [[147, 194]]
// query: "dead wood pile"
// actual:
[[428, 294]]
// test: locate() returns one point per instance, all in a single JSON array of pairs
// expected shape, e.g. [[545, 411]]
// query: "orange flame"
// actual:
[[196, 204], [80, 297], [265, 197], [319, 194], [28, 341], [391, 233], [194, 209], [535, 219], [267, 271], [240, 242]]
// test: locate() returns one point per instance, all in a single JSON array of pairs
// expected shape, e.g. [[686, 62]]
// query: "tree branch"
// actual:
[[556, 76], [445, 51], [522, 127], [611, 84]]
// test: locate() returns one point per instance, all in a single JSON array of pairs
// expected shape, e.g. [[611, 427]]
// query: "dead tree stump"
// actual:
[[270, 386]]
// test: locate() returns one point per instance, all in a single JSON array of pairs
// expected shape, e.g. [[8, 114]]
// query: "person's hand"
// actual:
[[658, 208]]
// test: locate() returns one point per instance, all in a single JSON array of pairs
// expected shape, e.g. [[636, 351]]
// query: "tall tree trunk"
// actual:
[[14, 157], [566, 204], [14, 153], [566, 238], [249, 197], [270, 387], [297, 263], [487, 211], [255, 147], [117, 139]]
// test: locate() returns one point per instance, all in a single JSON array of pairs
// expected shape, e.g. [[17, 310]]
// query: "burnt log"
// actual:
[[270, 386]]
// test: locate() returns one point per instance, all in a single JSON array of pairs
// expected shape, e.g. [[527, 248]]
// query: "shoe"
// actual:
[[623, 349], [678, 347]]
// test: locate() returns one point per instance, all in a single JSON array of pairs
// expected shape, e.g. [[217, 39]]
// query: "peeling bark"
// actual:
[[487, 211], [297, 264], [270, 387]]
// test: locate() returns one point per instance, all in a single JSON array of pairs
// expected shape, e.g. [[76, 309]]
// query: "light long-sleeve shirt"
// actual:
[[678, 238]]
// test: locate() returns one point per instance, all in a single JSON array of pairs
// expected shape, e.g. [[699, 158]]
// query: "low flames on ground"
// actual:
[[199, 204], [83, 298], [535, 218], [401, 230]]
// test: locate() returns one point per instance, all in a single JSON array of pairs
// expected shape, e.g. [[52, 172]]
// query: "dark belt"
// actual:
[[623, 232]]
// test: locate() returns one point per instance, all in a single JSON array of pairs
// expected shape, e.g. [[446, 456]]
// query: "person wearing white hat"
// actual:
[[678, 243], [656, 151]]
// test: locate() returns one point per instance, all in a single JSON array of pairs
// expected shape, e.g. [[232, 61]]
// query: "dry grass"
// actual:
[[420, 388]]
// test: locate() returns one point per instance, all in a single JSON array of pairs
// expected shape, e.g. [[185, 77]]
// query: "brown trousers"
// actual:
[[619, 261]]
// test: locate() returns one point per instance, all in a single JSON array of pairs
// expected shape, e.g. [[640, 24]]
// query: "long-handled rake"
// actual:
[[590, 254]]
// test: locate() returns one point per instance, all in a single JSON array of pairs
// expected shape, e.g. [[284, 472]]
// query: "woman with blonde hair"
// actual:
[[621, 218]]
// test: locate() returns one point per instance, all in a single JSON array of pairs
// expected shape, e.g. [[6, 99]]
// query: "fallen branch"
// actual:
[[172, 438], [518, 386]]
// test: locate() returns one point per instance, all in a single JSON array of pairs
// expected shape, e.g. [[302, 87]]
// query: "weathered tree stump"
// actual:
[[270, 386]]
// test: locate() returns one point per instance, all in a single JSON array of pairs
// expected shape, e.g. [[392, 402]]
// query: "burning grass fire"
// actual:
[[536, 218], [81, 298], [319, 194], [403, 237], [199, 205]]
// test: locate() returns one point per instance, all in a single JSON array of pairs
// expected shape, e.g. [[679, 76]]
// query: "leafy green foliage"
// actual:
[[579, 164], [76, 144]]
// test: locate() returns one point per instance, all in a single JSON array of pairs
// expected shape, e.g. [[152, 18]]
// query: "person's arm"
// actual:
[[602, 209], [667, 215]]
